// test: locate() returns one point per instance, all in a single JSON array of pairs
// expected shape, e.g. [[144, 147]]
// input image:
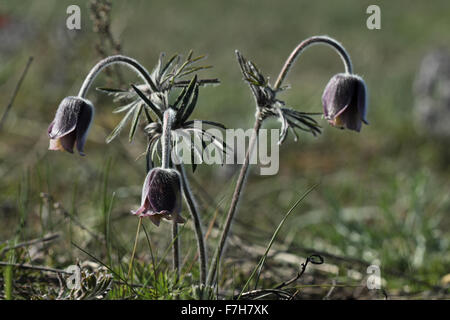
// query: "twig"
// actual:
[[101, 19], [260, 293], [61, 286], [32, 242], [311, 259], [31, 267], [16, 90]]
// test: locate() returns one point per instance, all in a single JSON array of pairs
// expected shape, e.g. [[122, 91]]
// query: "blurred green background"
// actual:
[[383, 196]]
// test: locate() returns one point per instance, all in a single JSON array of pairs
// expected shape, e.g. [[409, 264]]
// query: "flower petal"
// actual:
[[327, 96], [161, 196], [139, 211], [83, 124], [164, 191], [178, 218], [337, 95], [68, 141], [156, 219], [362, 100], [55, 144], [352, 119], [66, 117], [146, 188], [344, 101]]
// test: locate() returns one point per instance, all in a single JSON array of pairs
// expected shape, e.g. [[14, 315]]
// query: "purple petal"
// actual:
[[362, 101], [68, 141], [164, 191], [327, 96], [146, 187], [156, 219], [50, 127], [161, 196], [83, 124], [178, 218], [337, 95], [352, 119], [66, 117], [139, 211]]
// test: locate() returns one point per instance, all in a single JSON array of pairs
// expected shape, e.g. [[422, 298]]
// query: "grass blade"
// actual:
[[261, 262]]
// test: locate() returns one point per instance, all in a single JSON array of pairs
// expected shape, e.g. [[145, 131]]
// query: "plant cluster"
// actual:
[[164, 101]]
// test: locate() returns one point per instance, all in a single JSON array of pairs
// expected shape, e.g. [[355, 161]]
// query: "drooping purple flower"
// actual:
[[345, 101], [71, 124], [161, 196]]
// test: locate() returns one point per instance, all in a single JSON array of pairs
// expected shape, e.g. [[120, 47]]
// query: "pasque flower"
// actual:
[[71, 124], [161, 196], [337, 110], [345, 101]]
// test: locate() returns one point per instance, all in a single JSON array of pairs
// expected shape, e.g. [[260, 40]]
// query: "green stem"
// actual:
[[130, 267]]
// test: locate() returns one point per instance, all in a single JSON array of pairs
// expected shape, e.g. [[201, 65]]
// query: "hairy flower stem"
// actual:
[[306, 43], [129, 62], [189, 198], [258, 122], [235, 200], [166, 137], [166, 143]]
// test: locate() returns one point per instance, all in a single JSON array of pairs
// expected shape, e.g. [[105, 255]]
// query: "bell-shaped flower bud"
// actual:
[[161, 196], [345, 101], [71, 124]]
